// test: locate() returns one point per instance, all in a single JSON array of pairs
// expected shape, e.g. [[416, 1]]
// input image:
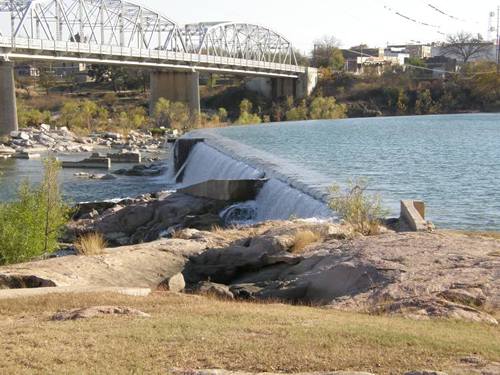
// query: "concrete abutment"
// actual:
[[8, 108], [176, 87], [275, 88]]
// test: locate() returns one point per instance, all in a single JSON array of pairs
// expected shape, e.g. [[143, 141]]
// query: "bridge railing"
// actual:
[[155, 55]]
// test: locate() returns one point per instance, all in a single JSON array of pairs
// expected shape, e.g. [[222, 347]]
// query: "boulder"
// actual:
[[174, 284], [212, 289]]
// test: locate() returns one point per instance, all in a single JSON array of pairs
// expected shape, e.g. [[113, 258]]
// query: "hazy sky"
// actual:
[[353, 22]]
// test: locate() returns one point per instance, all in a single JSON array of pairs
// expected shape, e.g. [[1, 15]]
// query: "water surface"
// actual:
[[451, 162]]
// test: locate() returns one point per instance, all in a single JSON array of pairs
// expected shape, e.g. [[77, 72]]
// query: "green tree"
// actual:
[[31, 224], [47, 80], [85, 116], [222, 113], [326, 108], [246, 115], [298, 113], [31, 117], [402, 104], [424, 102], [172, 115]]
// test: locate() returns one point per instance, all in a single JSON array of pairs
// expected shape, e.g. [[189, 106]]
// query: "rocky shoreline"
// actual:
[[45, 138], [168, 236]]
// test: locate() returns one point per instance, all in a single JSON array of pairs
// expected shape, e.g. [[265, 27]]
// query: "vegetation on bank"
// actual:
[[32, 223], [357, 208], [189, 332]]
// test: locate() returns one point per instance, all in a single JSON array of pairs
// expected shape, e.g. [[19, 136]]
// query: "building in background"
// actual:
[[26, 70]]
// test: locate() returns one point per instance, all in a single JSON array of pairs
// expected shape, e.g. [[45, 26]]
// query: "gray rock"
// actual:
[[213, 289], [174, 284]]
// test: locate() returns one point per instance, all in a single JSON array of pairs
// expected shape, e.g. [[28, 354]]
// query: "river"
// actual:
[[452, 162]]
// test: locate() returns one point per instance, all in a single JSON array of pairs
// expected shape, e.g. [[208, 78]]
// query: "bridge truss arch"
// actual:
[[101, 22], [239, 40], [123, 32]]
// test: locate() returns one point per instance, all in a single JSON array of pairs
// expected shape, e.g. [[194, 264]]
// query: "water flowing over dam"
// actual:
[[276, 200]]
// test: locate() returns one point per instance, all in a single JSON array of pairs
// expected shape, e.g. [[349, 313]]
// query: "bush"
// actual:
[[83, 117], [173, 115], [326, 109], [363, 212], [246, 115], [30, 117], [31, 225], [91, 244]]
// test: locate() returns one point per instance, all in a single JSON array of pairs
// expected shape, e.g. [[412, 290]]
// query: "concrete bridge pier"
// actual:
[[176, 87], [8, 108], [279, 88]]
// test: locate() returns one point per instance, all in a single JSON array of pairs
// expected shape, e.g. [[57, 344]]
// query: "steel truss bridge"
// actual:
[[125, 33]]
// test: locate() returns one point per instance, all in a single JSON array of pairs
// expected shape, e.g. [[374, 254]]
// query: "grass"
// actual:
[[303, 239], [198, 332], [91, 244]]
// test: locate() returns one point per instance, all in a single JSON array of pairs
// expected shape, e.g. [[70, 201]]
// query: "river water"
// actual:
[[451, 162], [77, 189]]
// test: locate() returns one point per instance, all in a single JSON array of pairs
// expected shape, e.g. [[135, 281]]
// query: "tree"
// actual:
[[86, 115], [31, 224], [424, 102], [47, 80], [246, 115], [327, 109], [326, 53], [297, 113], [169, 114], [402, 104], [464, 46]]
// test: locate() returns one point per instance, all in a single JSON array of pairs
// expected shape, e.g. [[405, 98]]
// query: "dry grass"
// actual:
[[91, 244], [303, 239], [197, 332]]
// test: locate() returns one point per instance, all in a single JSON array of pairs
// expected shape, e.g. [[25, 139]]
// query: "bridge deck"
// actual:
[[17, 48]]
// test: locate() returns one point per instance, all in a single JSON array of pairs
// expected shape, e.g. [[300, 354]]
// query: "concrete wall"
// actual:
[[8, 109], [225, 190], [277, 88], [177, 87]]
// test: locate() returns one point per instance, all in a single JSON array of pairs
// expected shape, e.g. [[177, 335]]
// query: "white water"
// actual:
[[206, 163], [276, 201]]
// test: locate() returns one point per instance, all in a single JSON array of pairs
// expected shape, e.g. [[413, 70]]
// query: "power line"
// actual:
[[442, 12]]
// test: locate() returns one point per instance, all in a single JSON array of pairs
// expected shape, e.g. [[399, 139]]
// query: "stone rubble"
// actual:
[[46, 138]]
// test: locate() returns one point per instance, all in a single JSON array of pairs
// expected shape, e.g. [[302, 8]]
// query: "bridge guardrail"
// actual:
[[157, 55]]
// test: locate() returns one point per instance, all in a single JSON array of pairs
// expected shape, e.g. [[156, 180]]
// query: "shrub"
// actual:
[[362, 211], [90, 244], [303, 239], [326, 109], [31, 224], [31, 117], [173, 115], [297, 113], [83, 117], [246, 115]]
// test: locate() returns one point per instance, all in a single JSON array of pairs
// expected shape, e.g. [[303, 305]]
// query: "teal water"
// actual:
[[77, 189], [451, 162]]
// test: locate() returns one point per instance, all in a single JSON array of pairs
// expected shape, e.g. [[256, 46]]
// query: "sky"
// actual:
[[372, 22]]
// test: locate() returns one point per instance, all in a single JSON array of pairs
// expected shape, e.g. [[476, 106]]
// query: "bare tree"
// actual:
[[326, 53], [465, 46]]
